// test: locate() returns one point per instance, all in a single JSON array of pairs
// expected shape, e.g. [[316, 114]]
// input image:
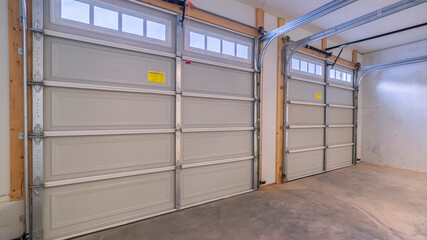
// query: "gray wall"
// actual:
[[4, 103], [393, 110]]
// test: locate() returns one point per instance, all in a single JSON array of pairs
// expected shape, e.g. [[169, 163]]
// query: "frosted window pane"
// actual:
[[349, 78], [228, 48], [337, 75], [75, 11], [197, 40], [311, 68], [156, 30], [343, 76], [134, 25], [242, 51], [303, 66], [213, 44], [105, 18], [332, 74], [319, 70], [295, 64]]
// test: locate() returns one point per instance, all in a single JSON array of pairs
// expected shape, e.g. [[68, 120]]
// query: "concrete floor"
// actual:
[[359, 202]]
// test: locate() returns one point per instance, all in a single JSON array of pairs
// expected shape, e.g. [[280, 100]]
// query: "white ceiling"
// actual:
[[291, 9]]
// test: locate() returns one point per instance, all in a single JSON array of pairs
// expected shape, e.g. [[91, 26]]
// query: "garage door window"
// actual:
[[132, 25], [340, 76], [306, 67], [100, 17], [75, 11], [215, 45], [106, 18]]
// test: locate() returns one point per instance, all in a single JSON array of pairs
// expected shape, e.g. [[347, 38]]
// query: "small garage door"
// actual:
[[135, 116], [319, 117]]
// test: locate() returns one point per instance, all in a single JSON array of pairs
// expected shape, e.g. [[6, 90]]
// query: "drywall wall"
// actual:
[[269, 96], [11, 222], [393, 110], [4, 103]]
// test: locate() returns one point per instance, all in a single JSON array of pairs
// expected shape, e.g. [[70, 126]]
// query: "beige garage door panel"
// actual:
[[208, 146], [80, 207], [304, 164], [75, 109], [210, 182], [305, 138], [306, 115], [203, 78], [340, 96], [74, 157], [337, 116], [202, 112], [339, 157], [338, 136], [78, 62], [303, 91]]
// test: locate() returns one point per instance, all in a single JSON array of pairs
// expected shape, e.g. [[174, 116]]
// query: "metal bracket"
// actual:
[[283, 175], [282, 128], [38, 185]]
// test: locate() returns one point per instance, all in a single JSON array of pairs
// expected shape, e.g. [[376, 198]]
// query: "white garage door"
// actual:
[[319, 122], [135, 116]]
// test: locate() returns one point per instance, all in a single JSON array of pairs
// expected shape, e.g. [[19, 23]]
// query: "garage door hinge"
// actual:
[[257, 100], [37, 30], [38, 234], [178, 168], [37, 134], [36, 83], [38, 185]]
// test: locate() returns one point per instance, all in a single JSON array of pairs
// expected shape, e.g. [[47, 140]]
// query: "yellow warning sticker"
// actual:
[[318, 96], [157, 77]]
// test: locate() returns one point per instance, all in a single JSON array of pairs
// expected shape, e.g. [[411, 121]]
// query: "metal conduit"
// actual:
[[309, 17], [372, 16], [368, 69], [23, 13]]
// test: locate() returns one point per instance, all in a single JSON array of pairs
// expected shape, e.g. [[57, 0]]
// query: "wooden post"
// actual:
[[279, 106], [324, 43], [15, 97], [354, 57], [260, 23]]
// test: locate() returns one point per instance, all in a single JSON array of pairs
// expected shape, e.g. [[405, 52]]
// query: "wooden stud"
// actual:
[[205, 16], [15, 97], [260, 23], [324, 43], [279, 106], [354, 56]]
